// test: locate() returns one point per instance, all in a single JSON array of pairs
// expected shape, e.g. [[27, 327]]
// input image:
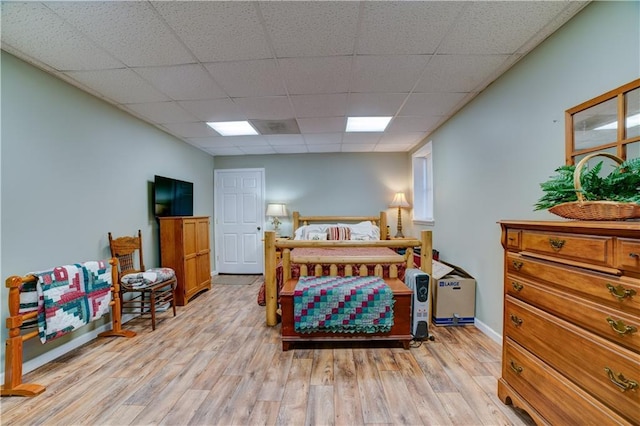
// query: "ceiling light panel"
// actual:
[[367, 124], [233, 128]]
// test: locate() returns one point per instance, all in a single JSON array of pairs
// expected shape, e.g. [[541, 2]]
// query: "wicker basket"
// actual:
[[595, 210]]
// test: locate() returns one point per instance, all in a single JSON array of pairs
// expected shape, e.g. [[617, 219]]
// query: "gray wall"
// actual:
[[491, 157], [75, 168], [329, 184]]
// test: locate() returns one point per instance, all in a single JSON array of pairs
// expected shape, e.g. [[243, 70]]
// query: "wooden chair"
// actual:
[[149, 290]]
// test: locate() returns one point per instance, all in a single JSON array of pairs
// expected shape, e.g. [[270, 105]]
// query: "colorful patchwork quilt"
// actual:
[[342, 305], [70, 296]]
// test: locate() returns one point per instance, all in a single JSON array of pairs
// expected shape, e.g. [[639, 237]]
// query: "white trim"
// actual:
[[488, 331]]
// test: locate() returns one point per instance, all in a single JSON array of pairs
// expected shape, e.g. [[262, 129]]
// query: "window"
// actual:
[[422, 166], [608, 123]]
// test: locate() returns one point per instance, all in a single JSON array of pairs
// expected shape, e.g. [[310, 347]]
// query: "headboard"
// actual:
[[380, 221]]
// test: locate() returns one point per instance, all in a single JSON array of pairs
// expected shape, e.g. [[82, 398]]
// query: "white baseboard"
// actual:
[[214, 273], [488, 331]]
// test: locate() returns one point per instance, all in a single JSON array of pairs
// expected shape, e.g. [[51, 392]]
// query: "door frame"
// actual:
[[217, 243]]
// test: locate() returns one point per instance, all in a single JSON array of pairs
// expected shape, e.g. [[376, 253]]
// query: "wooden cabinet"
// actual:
[[184, 246], [571, 338]]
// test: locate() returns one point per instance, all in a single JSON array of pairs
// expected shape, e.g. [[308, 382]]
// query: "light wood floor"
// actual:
[[216, 363]]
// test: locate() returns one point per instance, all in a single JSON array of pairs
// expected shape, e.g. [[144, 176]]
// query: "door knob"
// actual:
[[259, 228]]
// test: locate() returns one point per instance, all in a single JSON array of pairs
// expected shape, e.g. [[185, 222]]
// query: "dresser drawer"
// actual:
[[628, 254], [558, 400], [588, 249], [617, 326], [513, 239], [604, 373], [619, 293]]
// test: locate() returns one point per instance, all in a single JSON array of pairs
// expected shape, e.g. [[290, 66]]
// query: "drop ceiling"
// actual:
[[180, 64]]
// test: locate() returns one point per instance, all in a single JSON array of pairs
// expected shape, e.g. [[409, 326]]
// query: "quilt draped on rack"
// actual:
[[342, 305], [68, 297]]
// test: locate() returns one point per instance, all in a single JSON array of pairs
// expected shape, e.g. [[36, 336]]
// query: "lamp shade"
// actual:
[[399, 201], [276, 210]]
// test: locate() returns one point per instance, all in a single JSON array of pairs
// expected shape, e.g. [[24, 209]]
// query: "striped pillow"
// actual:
[[339, 233]]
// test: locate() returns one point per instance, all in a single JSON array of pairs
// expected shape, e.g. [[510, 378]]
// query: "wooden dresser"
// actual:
[[571, 345], [184, 246]]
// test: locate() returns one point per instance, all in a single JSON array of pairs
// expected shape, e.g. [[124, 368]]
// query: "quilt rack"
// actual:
[[13, 385]]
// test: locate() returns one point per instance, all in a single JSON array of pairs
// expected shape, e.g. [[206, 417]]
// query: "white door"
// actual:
[[239, 220]]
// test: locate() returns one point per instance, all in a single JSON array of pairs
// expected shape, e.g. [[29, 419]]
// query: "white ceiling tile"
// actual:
[[389, 73], [182, 82], [324, 148], [402, 138], [217, 30], [119, 27], [322, 124], [412, 124], [498, 27], [248, 78], [277, 140], [122, 85], [190, 130], [376, 104], [323, 138], [393, 148], [316, 75], [242, 141], [431, 103], [258, 150], [224, 151], [291, 149], [458, 73], [358, 147], [331, 105], [361, 138], [311, 28], [266, 108], [214, 110], [211, 142], [392, 27], [162, 112], [37, 32]]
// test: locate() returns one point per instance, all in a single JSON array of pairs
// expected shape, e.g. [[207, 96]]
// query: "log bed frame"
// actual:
[[13, 385], [271, 245]]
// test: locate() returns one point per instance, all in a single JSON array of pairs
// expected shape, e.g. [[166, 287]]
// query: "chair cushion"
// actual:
[[150, 276]]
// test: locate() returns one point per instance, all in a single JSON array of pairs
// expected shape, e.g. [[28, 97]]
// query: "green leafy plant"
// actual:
[[621, 185]]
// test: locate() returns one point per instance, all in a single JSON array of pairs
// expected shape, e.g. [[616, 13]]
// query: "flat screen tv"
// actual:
[[172, 197]]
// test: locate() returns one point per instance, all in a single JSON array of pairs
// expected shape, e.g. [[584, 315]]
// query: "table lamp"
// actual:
[[400, 202], [275, 211]]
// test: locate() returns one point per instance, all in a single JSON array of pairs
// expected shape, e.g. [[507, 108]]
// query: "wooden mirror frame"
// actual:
[[621, 142]]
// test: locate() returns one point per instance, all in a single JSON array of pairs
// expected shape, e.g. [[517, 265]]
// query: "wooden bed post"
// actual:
[[426, 251], [270, 291], [296, 223], [383, 226]]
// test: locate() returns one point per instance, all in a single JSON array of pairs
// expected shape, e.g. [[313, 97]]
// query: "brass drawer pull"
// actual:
[[515, 367], [517, 265], [620, 381], [517, 286], [620, 327], [620, 292], [636, 255], [515, 320], [556, 243]]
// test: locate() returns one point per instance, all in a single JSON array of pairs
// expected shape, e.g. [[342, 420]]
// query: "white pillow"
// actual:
[[317, 236], [365, 231], [302, 232]]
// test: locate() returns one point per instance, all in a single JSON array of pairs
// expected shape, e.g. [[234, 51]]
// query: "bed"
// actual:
[[338, 258]]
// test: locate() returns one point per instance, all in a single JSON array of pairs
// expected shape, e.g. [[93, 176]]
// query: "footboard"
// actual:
[[13, 385]]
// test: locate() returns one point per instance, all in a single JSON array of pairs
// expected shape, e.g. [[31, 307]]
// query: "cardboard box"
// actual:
[[454, 301]]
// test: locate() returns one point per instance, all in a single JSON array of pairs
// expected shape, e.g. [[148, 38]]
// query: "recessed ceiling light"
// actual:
[[233, 128], [367, 124]]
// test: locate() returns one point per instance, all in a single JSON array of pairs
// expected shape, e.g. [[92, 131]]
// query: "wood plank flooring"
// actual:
[[217, 363]]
